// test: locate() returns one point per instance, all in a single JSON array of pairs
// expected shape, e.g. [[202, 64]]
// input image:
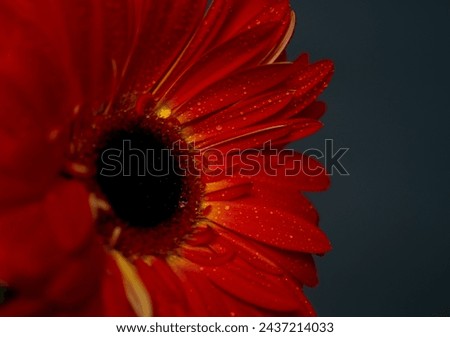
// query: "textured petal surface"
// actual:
[[50, 254], [269, 225], [212, 73]]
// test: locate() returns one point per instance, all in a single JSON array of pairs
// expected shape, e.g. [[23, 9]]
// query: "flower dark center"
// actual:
[[137, 173]]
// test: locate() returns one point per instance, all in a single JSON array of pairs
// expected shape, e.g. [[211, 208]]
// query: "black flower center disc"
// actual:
[[137, 173]]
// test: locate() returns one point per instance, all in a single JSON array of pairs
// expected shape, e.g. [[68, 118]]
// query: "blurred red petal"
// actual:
[[43, 244], [114, 299]]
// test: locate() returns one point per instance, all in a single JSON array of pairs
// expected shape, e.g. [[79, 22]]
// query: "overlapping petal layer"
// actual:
[[76, 67]]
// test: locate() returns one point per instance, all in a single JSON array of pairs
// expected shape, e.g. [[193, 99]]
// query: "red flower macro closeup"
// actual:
[[95, 219]]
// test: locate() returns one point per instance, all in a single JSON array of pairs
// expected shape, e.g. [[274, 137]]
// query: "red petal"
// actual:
[[205, 256], [243, 309], [115, 302], [37, 99], [239, 116], [244, 50], [68, 205], [227, 19], [255, 137], [239, 190], [295, 204], [283, 57], [305, 309], [37, 29], [75, 286], [270, 226], [308, 84], [315, 110], [300, 128], [251, 138], [23, 147], [299, 265], [250, 285], [56, 254], [36, 236], [250, 252], [240, 86], [203, 297], [312, 76], [244, 15], [165, 29], [164, 287], [201, 236], [290, 170], [117, 42]]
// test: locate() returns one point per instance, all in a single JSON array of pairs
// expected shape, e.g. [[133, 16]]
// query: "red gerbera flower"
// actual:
[[80, 78]]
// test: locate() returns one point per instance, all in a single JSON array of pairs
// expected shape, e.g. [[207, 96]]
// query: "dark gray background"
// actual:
[[388, 102]]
